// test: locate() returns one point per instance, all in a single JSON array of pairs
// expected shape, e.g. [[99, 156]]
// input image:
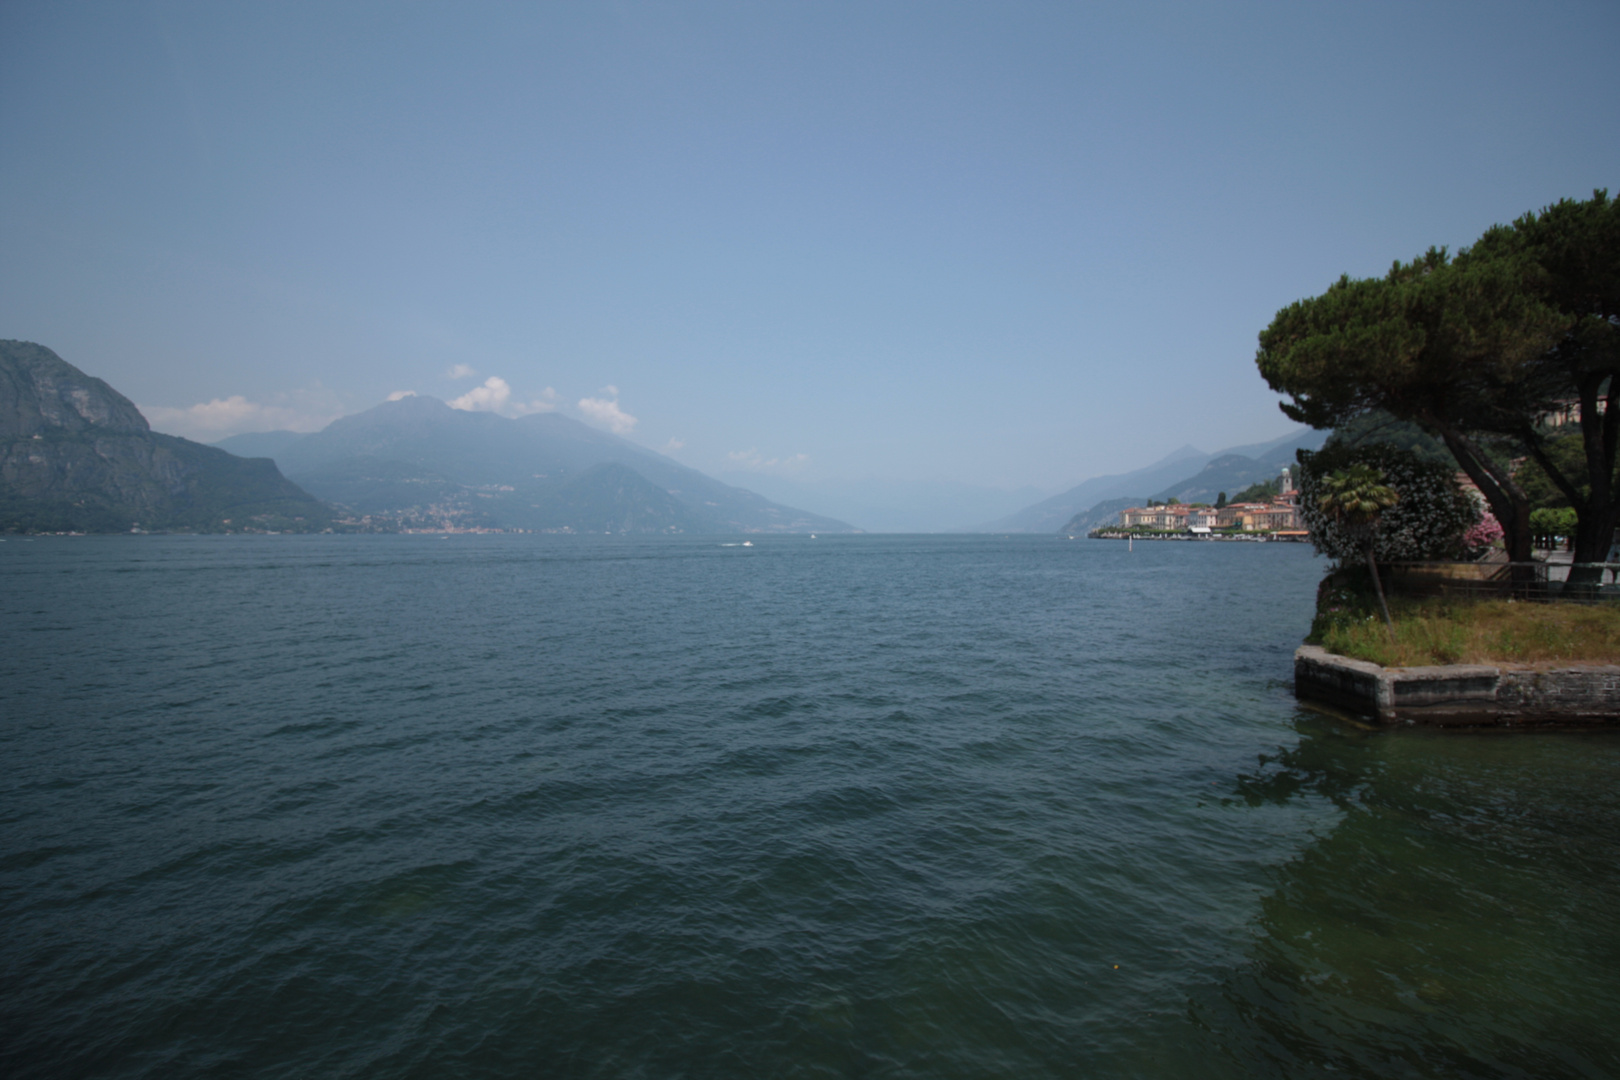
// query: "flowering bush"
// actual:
[[1482, 536], [1429, 522]]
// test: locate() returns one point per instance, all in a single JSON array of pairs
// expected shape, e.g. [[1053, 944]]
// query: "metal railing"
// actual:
[[1536, 581]]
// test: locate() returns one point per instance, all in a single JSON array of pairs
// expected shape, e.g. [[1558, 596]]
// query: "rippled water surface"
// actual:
[[851, 806]]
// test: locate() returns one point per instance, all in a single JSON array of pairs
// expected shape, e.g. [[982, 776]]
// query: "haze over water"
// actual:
[[849, 806]]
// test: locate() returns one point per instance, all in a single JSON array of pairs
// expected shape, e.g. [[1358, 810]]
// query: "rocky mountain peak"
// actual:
[[78, 456], [40, 393]]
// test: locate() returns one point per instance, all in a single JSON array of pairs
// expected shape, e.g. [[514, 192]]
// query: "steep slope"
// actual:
[[513, 472], [259, 443], [1180, 471], [1103, 513], [76, 455], [385, 494], [1232, 471], [614, 498], [1049, 515]]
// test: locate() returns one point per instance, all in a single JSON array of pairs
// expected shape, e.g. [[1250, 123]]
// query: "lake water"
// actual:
[[387, 806]]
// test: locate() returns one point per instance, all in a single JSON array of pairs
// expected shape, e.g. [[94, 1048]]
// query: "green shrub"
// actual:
[[1427, 523]]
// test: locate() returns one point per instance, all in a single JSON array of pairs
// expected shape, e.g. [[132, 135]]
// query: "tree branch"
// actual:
[[1507, 499], [1533, 443]]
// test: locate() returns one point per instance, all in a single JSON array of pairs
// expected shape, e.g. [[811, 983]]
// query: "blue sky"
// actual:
[[1001, 244]]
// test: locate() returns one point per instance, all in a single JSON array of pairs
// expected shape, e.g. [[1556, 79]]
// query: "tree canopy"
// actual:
[[1477, 350]]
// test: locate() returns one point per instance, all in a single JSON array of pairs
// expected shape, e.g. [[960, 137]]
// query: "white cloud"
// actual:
[[607, 411], [496, 396], [674, 444], [401, 395], [210, 421], [493, 396], [460, 371], [753, 461]]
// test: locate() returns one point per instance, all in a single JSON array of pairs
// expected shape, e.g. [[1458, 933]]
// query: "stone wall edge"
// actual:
[[1460, 695]]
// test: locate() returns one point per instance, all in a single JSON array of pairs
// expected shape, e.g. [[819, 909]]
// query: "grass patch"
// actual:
[[1452, 631]]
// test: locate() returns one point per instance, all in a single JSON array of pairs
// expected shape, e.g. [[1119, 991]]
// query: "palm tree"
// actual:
[[1356, 497]]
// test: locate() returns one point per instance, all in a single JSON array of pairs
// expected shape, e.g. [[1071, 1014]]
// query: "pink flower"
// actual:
[[1484, 534]]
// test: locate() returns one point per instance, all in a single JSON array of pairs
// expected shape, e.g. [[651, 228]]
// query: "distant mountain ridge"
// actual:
[[259, 443], [1231, 471], [1048, 515], [78, 456], [886, 505], [1103, 513], [1179, 470], [423, 462]]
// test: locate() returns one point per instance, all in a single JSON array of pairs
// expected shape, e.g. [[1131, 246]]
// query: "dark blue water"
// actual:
[[852, 806]]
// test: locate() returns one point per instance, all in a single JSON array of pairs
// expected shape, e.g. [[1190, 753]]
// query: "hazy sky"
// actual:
[[1002, 243]]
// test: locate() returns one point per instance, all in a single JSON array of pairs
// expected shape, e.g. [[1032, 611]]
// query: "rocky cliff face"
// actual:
[[41, 394], [76, 455]]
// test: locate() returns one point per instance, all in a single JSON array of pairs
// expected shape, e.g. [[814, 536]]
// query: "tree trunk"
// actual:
[[1593, 537], [1378, 587], [1594, 531], [1507, 500]]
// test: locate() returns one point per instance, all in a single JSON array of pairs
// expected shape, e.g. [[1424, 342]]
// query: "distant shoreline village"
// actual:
[[1276, 519]]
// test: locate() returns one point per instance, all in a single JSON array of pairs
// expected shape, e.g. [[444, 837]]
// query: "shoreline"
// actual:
[[1244, 538], [1505, 695]]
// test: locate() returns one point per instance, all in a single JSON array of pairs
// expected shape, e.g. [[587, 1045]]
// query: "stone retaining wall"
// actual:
[[1460, 694]]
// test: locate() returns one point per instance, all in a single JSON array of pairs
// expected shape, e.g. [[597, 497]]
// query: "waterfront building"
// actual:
[[1231, 514], [1155, 517], [1280, 514], [1270, 517]]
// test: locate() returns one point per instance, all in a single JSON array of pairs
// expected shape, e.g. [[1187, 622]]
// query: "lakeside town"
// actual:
[[1276, 518]]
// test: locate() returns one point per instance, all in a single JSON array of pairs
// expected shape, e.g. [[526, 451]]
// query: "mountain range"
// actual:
[[78, 456], [1187, 474], [420, 462], [75, 455]]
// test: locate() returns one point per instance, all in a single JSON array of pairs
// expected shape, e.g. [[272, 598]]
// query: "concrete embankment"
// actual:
[[1461, 694]]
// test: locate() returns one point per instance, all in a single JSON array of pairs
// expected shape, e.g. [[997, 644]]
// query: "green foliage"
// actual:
[[1220, 501], [1481, 344], [1567, 252], [1356, 496], [227, 493], [24, 515], [1257, 492], [1568, 457], [1547, 525], [1568, 256], [1427, 521], [1379, 426], [1344, 599], [1431, 341], [159, 483]]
